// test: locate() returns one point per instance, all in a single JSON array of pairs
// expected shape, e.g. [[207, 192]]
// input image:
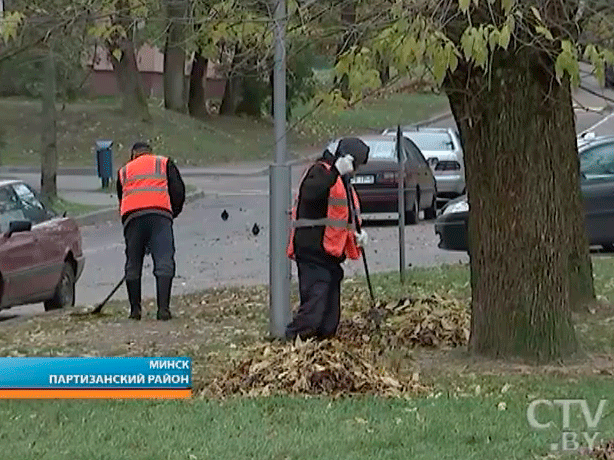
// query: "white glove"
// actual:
[[345, 165], [362, 239]]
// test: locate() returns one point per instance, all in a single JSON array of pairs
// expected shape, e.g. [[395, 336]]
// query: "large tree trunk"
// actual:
[[349, 38], [196, 100], [528, 248], [129, 81], [582, 292], [49, 151], [174, 56], [253, 93], [384, 70], [233, 88]]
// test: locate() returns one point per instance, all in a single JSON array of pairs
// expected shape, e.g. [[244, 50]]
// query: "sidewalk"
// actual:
[[83, 186], [596, 99], [85, 190], [258, 168]]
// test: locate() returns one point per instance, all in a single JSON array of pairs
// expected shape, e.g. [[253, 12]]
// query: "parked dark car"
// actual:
[[609, 76], [597, 188], [377, 181], [41, 257]]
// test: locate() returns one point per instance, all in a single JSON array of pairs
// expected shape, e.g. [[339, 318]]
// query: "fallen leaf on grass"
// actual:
[[604, 451]]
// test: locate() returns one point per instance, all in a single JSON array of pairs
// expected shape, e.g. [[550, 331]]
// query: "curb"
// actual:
[[108, 214], [253, 173], [601, 109], [437, 118], [69, 171], [76, 171]]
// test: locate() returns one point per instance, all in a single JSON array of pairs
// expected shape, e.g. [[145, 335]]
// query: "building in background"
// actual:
[[150, 61]]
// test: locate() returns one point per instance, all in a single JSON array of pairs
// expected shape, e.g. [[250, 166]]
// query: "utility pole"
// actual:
[[401, 204], [279, 188]]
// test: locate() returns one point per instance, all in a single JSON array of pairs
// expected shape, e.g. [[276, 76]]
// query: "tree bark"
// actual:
[[174, 57], [383, 69], [129, 81], [233, 87], [528, 246], [582, 292], [253, 91], [196, 100], [49, 152], [348, 22]]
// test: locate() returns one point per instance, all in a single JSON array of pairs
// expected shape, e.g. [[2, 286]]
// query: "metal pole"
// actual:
[[401, 204], [280, 189]]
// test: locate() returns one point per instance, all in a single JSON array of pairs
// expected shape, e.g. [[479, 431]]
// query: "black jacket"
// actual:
[[176, 191], [313, 204]]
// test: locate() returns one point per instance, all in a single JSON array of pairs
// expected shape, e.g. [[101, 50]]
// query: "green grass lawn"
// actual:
[[446, 425], [474, 409], [387, 112], [191, 142], [73, 209]]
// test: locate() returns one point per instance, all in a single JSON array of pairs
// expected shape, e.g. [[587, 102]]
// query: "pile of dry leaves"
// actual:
[[329, 367], [431, 321], [348, 363]]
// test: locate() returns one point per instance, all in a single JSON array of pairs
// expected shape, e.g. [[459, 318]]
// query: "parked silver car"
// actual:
[[443, 151]]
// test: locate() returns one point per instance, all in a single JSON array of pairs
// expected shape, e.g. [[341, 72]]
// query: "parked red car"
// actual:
[[41, 257]]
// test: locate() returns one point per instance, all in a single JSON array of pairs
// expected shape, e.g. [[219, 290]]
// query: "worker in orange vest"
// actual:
[[323, 236], [151, 194]]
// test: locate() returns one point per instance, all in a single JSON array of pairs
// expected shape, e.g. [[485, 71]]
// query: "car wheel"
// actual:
[[431, 213], [64, 295], [413, 216]]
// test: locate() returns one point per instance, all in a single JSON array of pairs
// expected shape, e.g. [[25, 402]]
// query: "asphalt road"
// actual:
[[212, 252]]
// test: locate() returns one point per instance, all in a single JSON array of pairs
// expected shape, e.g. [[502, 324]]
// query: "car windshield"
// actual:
[[597, 159], [381, 150], [9, 209], [378, 149], [431, 141]]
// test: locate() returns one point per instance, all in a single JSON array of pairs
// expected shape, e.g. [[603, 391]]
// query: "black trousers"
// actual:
[[156, 232], [320, 296]]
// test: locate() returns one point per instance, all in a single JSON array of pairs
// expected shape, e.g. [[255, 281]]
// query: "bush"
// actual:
[[257, 89]]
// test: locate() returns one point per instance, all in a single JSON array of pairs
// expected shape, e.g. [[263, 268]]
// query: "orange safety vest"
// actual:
[[339, 238], [144, 184]]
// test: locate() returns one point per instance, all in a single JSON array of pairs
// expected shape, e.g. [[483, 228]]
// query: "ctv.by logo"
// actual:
[[570, 440]]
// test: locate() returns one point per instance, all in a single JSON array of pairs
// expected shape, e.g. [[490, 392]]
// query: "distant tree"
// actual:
[[175, 54]]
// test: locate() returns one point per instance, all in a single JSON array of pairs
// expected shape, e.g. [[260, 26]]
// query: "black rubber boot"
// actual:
[[163, 288], [134, 296]]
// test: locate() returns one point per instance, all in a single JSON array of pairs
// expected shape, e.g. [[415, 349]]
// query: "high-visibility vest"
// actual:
[[339, 238], [144, 184]]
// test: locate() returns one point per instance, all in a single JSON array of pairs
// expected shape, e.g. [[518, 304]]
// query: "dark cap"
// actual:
[[141, 147], [355, 147]]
